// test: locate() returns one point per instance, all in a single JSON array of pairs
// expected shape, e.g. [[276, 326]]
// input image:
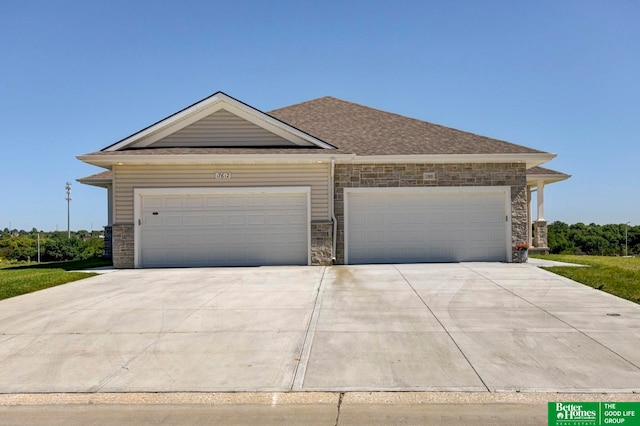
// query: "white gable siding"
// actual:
[[221, 129], [202, 176]]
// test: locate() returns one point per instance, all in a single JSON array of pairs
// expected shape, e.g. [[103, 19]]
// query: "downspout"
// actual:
[[334, 236]]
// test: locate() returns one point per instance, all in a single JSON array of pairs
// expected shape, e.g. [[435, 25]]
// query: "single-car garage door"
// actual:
[[222, 227], [404, 225]]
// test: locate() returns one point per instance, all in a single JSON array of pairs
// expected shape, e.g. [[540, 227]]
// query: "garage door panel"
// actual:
[[430, 226], [213, 202], [194, 220], [174, 202], [212, 220], [194, 202], [225, 229], [255, 219], [171, 220]]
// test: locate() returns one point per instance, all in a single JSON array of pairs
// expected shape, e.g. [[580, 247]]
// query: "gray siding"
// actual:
[[221, 129], [202, 176]]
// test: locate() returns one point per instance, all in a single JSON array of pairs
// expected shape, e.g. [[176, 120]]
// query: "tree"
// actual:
[[59, 249]]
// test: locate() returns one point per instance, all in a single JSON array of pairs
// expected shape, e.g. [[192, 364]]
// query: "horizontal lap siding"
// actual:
[[221, 129], [202, 176]]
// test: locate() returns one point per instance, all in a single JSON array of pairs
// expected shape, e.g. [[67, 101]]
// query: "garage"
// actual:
[[405, 225], [222, 226]]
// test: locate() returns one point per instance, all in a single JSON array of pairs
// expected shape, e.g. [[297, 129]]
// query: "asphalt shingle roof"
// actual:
[[357, 129], [537, 170], [362, 130]]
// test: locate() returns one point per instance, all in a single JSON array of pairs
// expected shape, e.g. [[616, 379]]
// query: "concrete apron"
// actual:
[[470, 327]]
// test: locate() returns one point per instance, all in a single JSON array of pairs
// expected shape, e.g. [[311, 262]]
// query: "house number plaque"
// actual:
[[222, 175]]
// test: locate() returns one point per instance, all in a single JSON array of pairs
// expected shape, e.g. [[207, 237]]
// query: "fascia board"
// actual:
[[108, 161], [102, 183], [533, 179], [531, 159]]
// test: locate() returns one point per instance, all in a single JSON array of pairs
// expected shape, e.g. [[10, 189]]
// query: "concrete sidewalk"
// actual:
[[472, 327]]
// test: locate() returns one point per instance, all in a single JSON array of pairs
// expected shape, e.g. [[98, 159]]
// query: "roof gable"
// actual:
[[222, 129], [209, 122]]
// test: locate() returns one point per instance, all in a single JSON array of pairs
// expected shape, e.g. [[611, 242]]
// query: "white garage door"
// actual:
[[223, 228], [404, 225]]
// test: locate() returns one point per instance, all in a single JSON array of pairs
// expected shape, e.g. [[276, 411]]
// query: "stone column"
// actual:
[[540, 236], [108, 242], [540, 241], [123, 241]]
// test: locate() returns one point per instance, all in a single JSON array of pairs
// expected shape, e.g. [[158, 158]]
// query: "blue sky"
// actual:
[[560, 76]]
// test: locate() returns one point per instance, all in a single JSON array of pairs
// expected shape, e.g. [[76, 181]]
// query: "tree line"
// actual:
[[22, 245], [602, 240]]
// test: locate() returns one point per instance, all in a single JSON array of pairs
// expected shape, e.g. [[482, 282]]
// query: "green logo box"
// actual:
[[594, 413]]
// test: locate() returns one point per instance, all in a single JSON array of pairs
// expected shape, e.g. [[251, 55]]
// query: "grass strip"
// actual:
[[22, 279], [619, 276]]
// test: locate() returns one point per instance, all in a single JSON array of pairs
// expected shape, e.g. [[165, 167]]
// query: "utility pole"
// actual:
[[68, 188]]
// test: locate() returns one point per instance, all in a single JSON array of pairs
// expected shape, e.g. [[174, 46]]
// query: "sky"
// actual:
[[558, 76]]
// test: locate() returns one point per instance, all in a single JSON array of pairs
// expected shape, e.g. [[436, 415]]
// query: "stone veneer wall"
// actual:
[[321, 243], [413, 175], [108, 242], [122, 245]]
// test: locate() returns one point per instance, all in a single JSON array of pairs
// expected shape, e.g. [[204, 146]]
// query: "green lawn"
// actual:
[[616, 275], [21, 279]]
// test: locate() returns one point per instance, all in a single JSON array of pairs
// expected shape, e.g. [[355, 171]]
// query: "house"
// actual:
[[221, 183]]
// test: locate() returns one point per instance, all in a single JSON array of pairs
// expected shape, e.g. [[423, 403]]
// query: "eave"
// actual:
[[530, 159], [546, 179], [108, 161]]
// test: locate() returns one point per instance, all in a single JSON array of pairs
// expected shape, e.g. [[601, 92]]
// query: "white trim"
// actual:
[[208, 106], [540, 200], [110, 204], [530, 159], [108, 161], [138, 193], [547, 179], [506, 190]]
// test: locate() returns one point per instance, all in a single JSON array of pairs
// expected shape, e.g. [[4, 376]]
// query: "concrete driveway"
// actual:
[[422, 327]]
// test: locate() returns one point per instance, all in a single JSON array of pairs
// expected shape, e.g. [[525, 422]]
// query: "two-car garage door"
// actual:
[[404, 225], [271, 226], [218, 227]]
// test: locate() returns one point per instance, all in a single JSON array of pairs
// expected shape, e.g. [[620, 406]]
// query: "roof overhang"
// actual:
[[108, 161], [206, 107], [546, 178], [529, 159], [102, 183]]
